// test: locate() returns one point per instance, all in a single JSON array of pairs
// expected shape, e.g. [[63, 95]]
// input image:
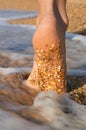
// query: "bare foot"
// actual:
[[49, 68]]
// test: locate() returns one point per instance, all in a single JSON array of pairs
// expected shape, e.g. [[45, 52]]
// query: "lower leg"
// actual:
[[49, 69]]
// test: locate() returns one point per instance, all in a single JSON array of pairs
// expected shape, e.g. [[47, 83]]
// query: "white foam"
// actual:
[[13, 14], [2, 22], [6, 71], [76, 37], [6, 15], [18, 38]]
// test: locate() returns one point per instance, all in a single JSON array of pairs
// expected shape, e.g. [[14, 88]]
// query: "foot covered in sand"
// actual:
[[49, 68]]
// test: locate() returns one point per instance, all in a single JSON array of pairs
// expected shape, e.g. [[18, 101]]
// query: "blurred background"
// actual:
[[17, 26], [76, 10]]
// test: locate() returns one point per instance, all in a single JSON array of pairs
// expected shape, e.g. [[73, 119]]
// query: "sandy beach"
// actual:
[[22, 108], [76, 13]]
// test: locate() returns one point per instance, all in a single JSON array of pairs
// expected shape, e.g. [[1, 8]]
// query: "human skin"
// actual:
[[49, 67]]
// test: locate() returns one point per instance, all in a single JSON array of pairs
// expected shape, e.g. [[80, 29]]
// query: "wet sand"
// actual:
[[20, 55], [15, 97], [76, 13], [13, 86], [18, 4]]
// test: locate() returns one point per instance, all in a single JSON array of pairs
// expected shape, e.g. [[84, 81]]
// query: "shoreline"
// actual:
[[76, 13]]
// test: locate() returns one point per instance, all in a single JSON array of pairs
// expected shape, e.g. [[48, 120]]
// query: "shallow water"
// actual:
[[16, 55], [18, 39], [14, 14]]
